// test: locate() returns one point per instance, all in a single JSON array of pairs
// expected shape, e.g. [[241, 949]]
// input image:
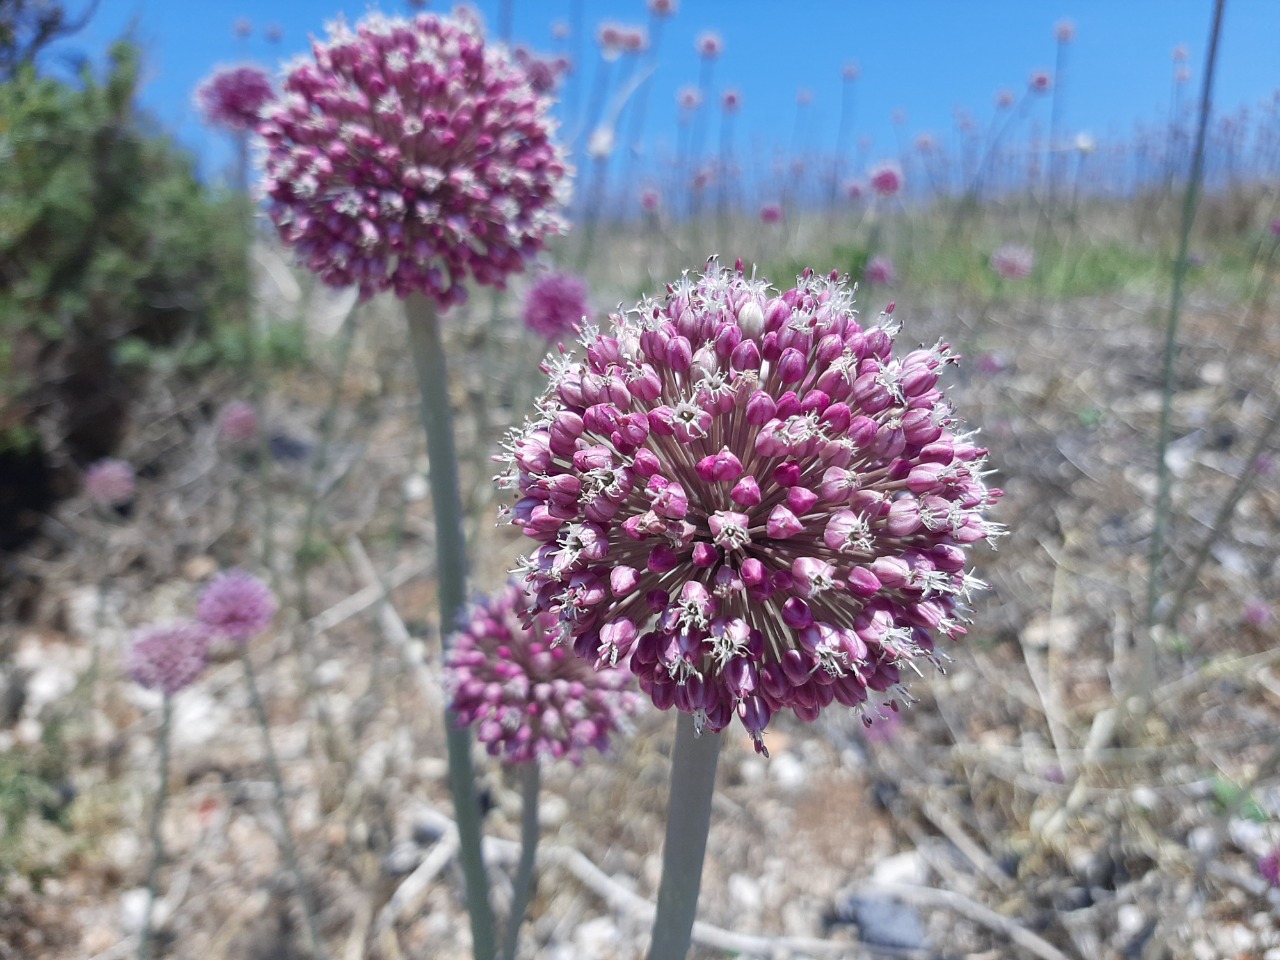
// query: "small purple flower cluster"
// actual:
[[1013, 262], [109, 483], [747, 497], [526, 696], [236, 605], [169, 658], [886, 178], [238, 424], [880, 272], [556, 304], [234, 97], [410, 156]]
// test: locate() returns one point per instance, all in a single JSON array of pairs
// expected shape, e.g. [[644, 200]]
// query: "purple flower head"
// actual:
[[880, 272], [242, 27], [526, 695], [1013, 262], [238, 425], [709, 45], [1275, 227], [1004, 99], [1064, 31], [771, 213], [731, 100], [234, 97], [663, 8], [408, 155], [1269, 867], [851, 70], [746, 497], [854, 189], [109, 483], [556, 304], [1181, 54], [1040, 81], [689, 98], [236, 605], [886, 178], [544, 73], [1257, 612], [168, 658], [650, 200]]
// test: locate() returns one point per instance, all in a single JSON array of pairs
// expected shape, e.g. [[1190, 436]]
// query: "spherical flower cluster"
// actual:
[[663, 8], [709, 44], [238, 425], [886, 178], [853, 189], [1040, 81], [168, 658], [771, 213], [411, 156], [1064, 31], [1269, 868], [109, 483], [747, 498], [236, 605], [851, 70], [689, 98], [880, 271], [1004, 99], [1013, 262], [234, 97], [650, 201], [527, 696], [556, 304], [544, 73], [731, 100], [619, 38]]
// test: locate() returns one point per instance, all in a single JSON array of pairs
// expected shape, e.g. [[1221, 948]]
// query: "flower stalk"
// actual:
[[451, 570], [693, 779]]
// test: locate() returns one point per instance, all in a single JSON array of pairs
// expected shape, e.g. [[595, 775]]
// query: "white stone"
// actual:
[[745, 893], [788, 771], [1129, 919], [907, 867]]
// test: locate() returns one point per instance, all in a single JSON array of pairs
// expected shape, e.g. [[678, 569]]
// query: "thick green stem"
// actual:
[[157, 840], [277, 781], [451, 573], [693, 781], [530, 784], [1164, 480]]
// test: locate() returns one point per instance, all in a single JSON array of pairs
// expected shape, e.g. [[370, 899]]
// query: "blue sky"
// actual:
[[920, 57]]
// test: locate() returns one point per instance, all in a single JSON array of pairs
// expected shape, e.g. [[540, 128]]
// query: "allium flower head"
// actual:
[[544, 73], [1064, 31], [1013, 262], [408, 155], [1269, 868], [556, 304], [709, 44], [771, 213], [236, 605], [886, 178], [854, 189], [168, 658], [525, 695], [731, 100], [650, 200], [234, 97], [748, 498], [1040, 81], [664, 8], [109, 483], [689, 98], [238, 425], [1004, 99], [851, 70], [880, 271]]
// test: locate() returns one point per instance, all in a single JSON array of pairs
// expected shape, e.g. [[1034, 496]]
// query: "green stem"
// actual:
[[286, 835], [530, 784], [1164, 480], [451, 572], [157, 841], [693, 781]]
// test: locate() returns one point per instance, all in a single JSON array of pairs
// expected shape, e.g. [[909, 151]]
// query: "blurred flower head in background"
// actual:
[[234, 97], [109, 483], [168, 658], [236, 605], [525, 694], [1013, 262], [556, 304]]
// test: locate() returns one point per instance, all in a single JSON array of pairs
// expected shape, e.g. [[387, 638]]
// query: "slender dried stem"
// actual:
[[157, 840], [287, 846]]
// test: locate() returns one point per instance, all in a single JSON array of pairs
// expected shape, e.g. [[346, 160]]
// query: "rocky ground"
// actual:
[[1074, 786]]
